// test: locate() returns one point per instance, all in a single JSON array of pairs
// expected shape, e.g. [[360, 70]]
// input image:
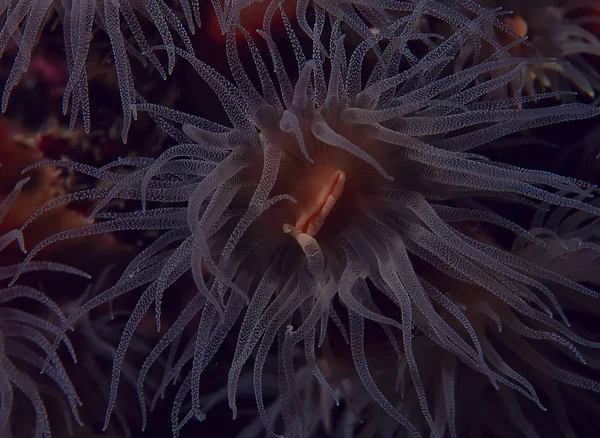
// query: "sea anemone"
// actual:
[[560, 29], [24, 22], [333, 203], [94, 339], [25, 345], [371, 19], [550, 371]]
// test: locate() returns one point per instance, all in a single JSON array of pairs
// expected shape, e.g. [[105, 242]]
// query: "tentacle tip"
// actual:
[[21, 244], [133, 109], [106, 423]]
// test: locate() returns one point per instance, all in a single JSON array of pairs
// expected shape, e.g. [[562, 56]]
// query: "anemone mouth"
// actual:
[[327, 166], [312, 219], [328, 194], [518, 24]]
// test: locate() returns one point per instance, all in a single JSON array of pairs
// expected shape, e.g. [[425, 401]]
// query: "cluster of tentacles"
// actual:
[[337, 232]]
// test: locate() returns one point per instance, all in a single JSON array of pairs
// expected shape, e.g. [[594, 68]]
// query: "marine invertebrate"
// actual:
[[24, 22], [370, 19], [551, 371], [21, 148], [94, 339], [319, 207], [560, 29], [24, 343]]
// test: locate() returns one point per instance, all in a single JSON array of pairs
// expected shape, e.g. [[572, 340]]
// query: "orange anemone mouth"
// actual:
[[312, 219], [517, 24]]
